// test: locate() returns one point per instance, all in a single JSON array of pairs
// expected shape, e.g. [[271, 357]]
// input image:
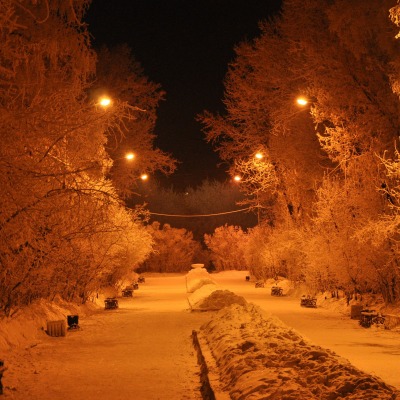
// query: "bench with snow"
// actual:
[[259, 284], [308, 301], [276, 291], [141, 279], [370, 317], [110, 303], [127, 292]]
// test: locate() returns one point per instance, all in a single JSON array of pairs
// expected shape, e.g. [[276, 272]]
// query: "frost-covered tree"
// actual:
[[174, 249], [272, 252], [381, 234], [58, 207], [261, 114], [120, 76], [343, 58], [205, 201], [226, 246]]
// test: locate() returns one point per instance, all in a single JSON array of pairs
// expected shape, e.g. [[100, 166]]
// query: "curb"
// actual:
[[209, 376]]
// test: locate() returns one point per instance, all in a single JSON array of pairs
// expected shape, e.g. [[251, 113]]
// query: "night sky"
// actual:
[[184, 45]]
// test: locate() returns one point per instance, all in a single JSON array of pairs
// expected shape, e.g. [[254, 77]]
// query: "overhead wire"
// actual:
[[199, 215]]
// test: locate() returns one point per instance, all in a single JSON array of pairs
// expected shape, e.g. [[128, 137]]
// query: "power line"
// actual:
[[199, 215]]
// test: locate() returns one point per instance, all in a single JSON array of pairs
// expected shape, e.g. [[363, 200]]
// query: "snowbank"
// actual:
[[218, 299], [197, 297], [205, 294], [260, 357], [28, 324], [196, 278]]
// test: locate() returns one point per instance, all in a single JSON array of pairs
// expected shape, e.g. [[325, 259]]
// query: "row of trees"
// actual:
[[63, 227], [328, 181]]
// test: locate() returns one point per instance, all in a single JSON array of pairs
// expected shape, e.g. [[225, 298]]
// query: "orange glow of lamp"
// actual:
[[302, 101]]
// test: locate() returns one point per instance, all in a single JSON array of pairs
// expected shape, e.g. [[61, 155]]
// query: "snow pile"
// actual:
[[219, 299], [196, 278], [205, 294], [260, 357], [28, 324], [197, 297]]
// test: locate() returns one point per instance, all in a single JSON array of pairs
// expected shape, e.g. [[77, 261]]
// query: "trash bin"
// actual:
[[56, 328]]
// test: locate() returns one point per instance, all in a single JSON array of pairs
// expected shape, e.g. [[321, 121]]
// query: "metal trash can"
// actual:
[[56, 328]]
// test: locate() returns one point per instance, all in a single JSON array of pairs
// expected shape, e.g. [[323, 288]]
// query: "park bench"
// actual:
[[110, 303], [141, 279], [259, 284], [276, 291], [127, 292], [309, 302], [370, 317]]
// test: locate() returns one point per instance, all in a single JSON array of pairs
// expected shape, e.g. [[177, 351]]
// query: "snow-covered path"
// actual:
[[374, 351], [141, 351]]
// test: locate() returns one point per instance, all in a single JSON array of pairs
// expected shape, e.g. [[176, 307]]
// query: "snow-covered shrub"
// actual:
[[274, 252], [226, 246], [174, 249]]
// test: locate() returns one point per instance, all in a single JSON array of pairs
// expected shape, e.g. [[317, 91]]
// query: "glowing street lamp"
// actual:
[[130, 156], [237, 178], [105, 101], [144, 177], [302, 101], [259, 156]]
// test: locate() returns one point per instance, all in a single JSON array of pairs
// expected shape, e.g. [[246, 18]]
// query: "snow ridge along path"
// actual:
[[262, 358]]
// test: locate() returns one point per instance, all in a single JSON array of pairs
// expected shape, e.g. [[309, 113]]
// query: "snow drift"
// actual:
[[261, 358], [196, 278], [205, 294]]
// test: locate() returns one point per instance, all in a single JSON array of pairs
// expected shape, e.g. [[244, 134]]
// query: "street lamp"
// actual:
[[259, 156], [144, 177], [237, 178], [302, 101], [105, 101], [130, 156]]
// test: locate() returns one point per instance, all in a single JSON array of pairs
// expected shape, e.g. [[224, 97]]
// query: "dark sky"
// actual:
[[184, 45]]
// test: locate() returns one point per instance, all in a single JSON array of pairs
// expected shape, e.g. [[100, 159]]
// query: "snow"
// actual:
[[262, 358], [143, 350], [196, 278]]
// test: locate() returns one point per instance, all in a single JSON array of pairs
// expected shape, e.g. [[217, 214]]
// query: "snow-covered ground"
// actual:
[[374, 350], [143, 349]]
